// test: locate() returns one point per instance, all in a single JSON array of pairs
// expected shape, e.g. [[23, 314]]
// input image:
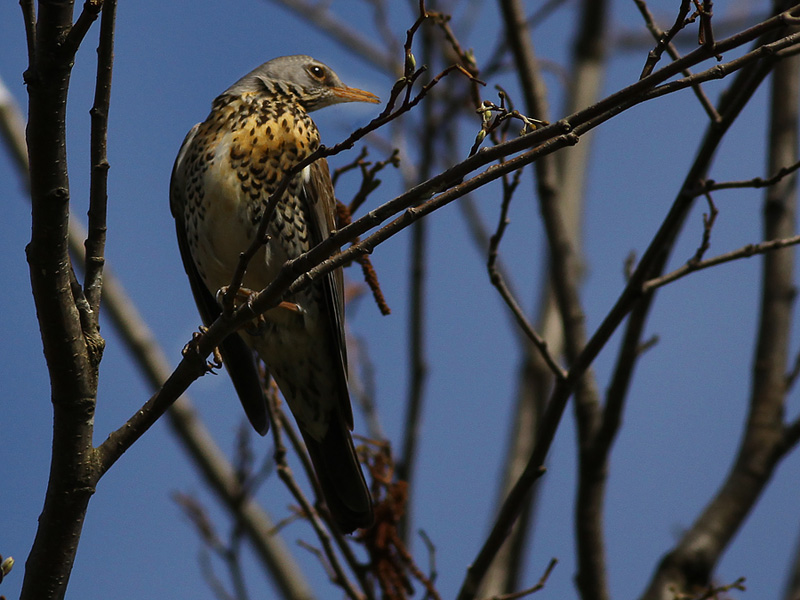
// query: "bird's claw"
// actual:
[[191, 348], [243, 295], [216, 360]]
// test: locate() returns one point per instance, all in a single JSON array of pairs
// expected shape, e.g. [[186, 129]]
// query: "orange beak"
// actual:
[[348, 94]]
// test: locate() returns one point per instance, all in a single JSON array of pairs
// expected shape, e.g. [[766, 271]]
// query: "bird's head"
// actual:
[[314, 83]]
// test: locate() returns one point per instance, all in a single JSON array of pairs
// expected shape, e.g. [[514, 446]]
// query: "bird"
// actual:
[[226, 170]]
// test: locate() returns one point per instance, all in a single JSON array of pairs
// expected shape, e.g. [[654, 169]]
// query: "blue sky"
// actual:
[[686, 405]]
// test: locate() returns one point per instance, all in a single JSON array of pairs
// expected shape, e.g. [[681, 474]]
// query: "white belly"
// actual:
[[227, 230]]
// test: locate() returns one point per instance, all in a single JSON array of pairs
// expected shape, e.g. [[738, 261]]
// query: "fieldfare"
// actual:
[[226, 170]]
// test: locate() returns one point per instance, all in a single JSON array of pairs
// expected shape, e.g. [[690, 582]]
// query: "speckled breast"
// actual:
[[241, 153]]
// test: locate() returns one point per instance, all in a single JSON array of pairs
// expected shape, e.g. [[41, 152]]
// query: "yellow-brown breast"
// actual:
[[236, 159], [226, 170]]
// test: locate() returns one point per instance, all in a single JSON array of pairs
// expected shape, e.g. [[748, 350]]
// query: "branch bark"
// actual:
[[73, 355], [691, 562], [72, 377]]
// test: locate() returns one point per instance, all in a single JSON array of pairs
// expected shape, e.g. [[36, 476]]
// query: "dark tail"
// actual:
[[340, 476]]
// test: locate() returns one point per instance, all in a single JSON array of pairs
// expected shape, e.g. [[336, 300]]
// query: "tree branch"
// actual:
[[72, 377], [690, 563], [98, 190]]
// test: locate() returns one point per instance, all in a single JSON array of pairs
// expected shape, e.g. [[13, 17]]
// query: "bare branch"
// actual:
[[661, 36], [72, 376], [98, 193], [745, 252], [495, 276], [755, 182], [665, 39], [531, 590], [91, 8], [690, 563], [285, 473]]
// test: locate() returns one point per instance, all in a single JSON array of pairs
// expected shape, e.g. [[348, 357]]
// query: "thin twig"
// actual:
[[98, 189], [743, 252], [531, 590], [709, 219], [650, 23], [285, 473], [756, 182], [664, 40], [498, 282]]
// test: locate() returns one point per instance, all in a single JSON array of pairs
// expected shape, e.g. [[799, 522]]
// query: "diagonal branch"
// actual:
[[673, 53], [182, 418], [691, 562], [653, 257], [743, 252], [299, 272]]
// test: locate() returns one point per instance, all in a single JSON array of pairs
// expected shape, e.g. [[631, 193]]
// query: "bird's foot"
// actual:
[[258, 326], [292, 307], [243, 296], [192, 348]]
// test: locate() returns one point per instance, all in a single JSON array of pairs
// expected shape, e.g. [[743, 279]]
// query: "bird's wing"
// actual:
[[239, 359], [321, 202]]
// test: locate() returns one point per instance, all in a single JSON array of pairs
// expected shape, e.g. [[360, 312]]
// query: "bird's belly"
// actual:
[[226, 231]]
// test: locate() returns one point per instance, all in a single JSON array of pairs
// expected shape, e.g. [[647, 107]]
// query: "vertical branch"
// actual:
[[535, 380], [72, 377], [588, 69], [29, 17], [560, 187], [418, 364], [48, 80], [693, 559], [98, 192], [652, 261]]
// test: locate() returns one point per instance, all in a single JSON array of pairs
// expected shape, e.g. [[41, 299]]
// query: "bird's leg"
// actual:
[[216, 355], [292, 307], [245, 296]]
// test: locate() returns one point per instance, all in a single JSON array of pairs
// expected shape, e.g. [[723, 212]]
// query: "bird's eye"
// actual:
[[317, 72]]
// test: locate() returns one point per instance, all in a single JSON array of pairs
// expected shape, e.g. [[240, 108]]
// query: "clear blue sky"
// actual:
[[686, 405]]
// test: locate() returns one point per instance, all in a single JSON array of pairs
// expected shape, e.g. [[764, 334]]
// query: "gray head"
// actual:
[[314, 83]]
